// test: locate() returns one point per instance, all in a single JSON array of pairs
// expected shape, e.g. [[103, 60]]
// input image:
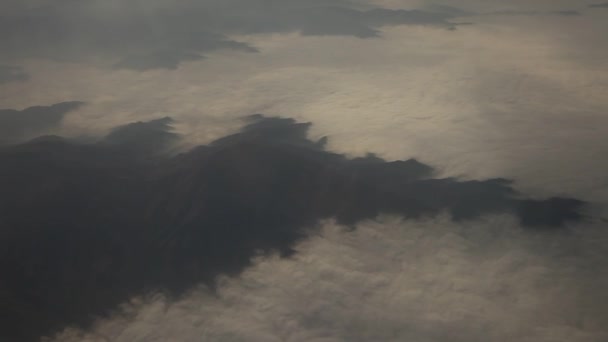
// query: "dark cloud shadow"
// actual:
[[599, 5], [159, 60], [85, 226], [16, 125], [564, 13], [10, 73], [167, 33], [143, 138], [455, 12]]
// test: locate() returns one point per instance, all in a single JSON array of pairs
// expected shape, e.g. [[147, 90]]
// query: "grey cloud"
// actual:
[[599, 5], [454, 11], [118, 225], [9, 73], [171, 59], [16, 125], [393, 280], [160, 60], [459, 12], [162, 34], [565, 13], [143, 137]]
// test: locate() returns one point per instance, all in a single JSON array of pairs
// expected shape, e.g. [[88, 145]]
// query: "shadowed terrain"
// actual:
[[85, 226]]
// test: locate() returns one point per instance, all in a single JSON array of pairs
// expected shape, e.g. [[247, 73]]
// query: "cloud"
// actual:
[[599, 5], [458, 12], [143, 137], [9, 73], [159, 60], [171, 59], [17, 125], [393, 280], [565, 13], [414, 92], [117, 225], [163, 34]]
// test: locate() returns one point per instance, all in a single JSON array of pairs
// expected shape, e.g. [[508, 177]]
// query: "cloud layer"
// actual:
[[162, 34], [120, 219], [311, 256], [393, 280], [16, 125], [599, 5], [9, 73]]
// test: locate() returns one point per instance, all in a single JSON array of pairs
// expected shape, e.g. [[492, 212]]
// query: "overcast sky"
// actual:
[[473, 89]]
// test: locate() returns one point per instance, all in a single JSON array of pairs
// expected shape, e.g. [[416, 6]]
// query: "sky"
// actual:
[[339, 170]]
